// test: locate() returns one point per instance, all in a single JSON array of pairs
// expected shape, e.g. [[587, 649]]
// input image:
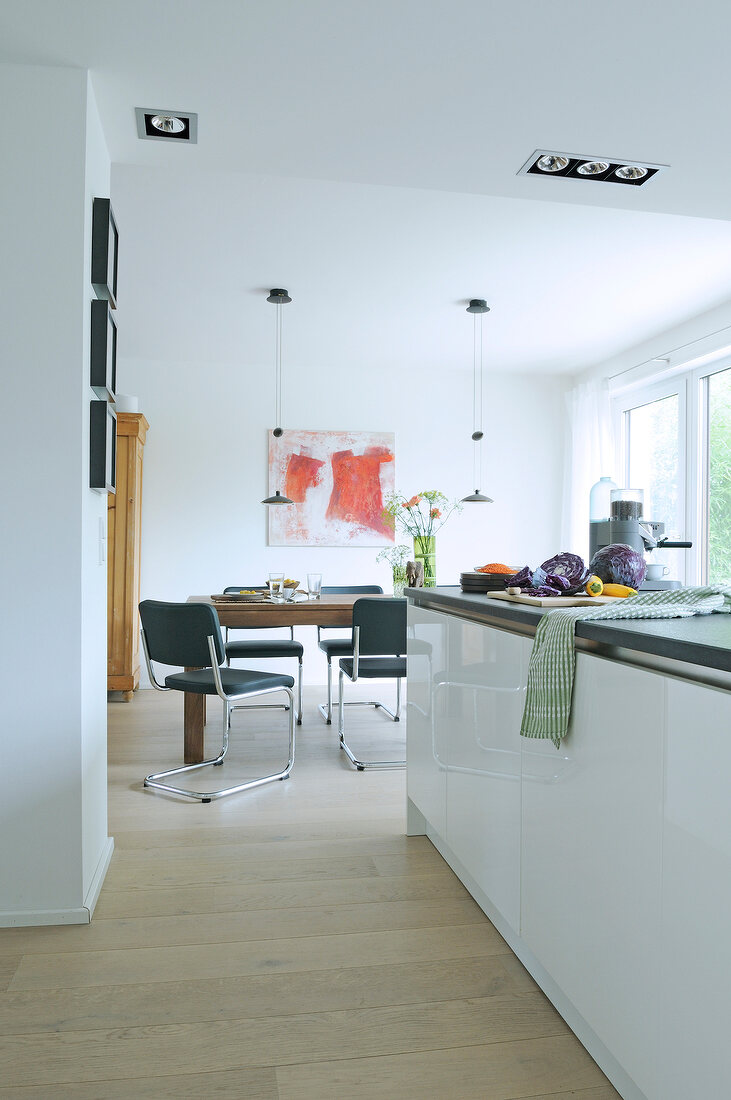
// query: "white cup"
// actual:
[[314, 584], [656, 571], [126, 403]]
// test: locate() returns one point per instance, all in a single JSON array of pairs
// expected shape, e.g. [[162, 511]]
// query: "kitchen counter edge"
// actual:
[[697, 648]]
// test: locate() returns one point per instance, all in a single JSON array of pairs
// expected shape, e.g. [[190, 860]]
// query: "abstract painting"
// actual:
[[338, 482]]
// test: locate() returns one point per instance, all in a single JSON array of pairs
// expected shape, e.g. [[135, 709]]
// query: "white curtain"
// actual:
[[589, 455]]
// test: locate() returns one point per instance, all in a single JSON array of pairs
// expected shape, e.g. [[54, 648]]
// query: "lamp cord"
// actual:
[[477, 400], [278, 368]]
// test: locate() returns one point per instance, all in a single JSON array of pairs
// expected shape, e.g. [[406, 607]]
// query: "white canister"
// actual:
[[126, 403]]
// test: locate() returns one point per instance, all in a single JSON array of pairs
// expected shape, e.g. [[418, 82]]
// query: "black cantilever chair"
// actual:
[[342, 647], [379, 652], [189, 635], [265, 649]]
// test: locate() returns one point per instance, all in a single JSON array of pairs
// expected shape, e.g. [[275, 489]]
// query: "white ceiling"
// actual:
[[450, 97]]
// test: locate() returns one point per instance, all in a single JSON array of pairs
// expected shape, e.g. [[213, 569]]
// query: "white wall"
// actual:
[[53, 842], [93, 558], [196, 265]]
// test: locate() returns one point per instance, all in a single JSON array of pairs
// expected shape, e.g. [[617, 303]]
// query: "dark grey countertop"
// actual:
[[704, 640]]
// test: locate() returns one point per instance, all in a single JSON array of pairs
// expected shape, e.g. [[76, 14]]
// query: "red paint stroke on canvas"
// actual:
[[303, 473], [356, 495]]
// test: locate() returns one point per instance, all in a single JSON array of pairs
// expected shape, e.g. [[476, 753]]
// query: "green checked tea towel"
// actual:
[[551, 671]]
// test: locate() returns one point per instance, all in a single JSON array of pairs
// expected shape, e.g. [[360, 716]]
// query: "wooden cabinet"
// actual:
[[123, 539]]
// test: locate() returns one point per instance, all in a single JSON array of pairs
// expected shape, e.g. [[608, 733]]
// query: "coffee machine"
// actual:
[[626, 524]]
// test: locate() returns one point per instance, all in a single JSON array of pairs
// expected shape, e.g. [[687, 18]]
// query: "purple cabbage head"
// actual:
[[566, 572], [619, 564]]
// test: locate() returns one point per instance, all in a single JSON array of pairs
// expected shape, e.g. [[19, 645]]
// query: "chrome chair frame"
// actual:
[[153, 780], [361, 765], [326, 709], [273, 706]]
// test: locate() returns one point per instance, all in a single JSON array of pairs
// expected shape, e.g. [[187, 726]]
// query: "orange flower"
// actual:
[[435, 514], [412, 503]]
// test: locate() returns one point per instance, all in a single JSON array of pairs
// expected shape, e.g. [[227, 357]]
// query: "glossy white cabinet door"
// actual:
[[696, 943], [482, 696], [591, 858], [426, 741]]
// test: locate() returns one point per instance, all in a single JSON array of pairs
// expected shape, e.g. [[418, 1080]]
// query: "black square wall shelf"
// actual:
[[104, 249], [103, 353], [102, 447]]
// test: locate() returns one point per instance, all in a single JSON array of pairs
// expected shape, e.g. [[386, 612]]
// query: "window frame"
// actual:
[[691, 384]]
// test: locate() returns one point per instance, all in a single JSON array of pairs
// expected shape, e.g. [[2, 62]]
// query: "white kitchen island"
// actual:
[[606, 865]]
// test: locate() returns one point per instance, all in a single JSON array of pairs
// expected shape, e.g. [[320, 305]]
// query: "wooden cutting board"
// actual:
[[554, 601]]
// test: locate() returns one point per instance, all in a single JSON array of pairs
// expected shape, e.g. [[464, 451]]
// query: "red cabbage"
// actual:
[[569, 567], [558, 581], [619, 564]]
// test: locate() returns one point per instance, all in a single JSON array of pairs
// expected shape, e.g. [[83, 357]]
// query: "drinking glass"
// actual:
[[276, 585], [314, 584]]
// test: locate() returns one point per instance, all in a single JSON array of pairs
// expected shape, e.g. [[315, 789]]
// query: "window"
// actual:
[[675, 440], [717, 502]]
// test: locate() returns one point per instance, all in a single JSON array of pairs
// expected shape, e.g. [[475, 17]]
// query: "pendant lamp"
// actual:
[[477, 307], [279, 298]]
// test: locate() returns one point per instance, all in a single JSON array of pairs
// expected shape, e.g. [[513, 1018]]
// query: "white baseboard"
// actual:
[[29, 918]]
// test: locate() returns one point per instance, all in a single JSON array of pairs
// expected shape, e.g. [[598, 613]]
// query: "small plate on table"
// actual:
[[246, 595]]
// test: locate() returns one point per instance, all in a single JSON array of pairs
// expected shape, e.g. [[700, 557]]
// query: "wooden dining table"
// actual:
[[328, 610]]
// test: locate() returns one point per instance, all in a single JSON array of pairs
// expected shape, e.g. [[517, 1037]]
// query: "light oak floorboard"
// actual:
[[215, 960], [603, 1092], [261, 924], [179, 900], [144, 860], [144, 1004], [497, 1071], [238, 1084], [201, 836], [268, 1041]]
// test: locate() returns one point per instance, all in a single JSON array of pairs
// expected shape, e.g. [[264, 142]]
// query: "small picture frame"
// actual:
[[103, 351], [102, 447], [104, 251]]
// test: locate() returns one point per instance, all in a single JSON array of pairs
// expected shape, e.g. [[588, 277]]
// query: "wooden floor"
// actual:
[[287, 943]]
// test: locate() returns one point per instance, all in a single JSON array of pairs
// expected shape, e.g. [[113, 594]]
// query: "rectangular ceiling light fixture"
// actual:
[[632, 173], [167, 125]]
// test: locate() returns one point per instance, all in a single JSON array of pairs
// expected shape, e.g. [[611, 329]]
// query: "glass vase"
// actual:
[[425, 551], [399, 579]]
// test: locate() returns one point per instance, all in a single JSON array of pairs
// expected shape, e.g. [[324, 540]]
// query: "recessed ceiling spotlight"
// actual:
[[593, 168], [168, 124], [544, 162], [164, 125], [631, 172], [552, 163]]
